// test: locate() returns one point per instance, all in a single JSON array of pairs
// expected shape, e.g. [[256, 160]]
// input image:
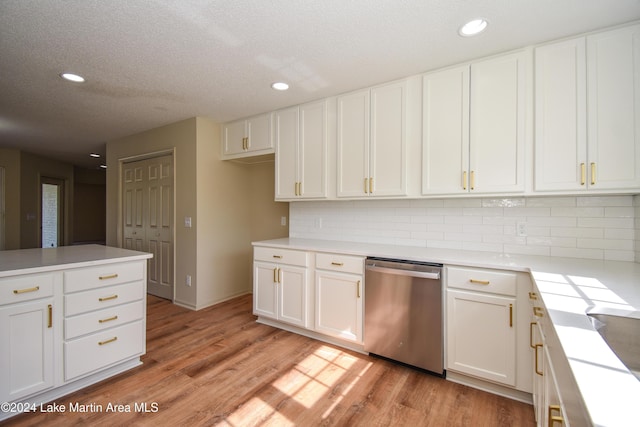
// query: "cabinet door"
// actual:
[[388, 147], [339, 305], [445, 139], [259, 133], [497, 124], [233, 134], [292, 297], [286, 134], [264, 289], [560, 129], [26, 353], [481, 336], [613, 103], [353, 144], [312, 169]]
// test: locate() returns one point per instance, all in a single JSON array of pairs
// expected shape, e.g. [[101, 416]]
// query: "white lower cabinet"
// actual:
[[280, 288], [27, 334], [481, 320], [339, 299], [547, 402]]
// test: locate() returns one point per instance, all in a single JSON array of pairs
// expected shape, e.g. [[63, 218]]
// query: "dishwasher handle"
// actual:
[[411, 273]]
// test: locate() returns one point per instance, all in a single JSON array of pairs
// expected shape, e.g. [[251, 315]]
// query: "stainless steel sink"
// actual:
[[621, 331]]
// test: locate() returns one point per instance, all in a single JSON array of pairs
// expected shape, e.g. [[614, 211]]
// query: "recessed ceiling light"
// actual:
[[472, 28], [94, 155], [280, 86], [72, 77]]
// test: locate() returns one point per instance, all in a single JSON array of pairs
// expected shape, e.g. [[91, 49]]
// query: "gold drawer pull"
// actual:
[[277, 256], [533, 296], [554, 418], [479, 282], [538, 371], [50, 313], [109, 319], [511, 315], [337, 264], [108, 276], [108, 298], [24, 291], [538, 311], [107, 341], [531, 325]]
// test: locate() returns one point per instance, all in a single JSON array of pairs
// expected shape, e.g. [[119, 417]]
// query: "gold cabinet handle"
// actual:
[[297, 188], [279, 275], [593, 174], [26, 290], [531, 326], [511, 315], [366, 185], [464, 180], [108, 276], [337, 264], [277, 256], [555, 418], [583, 174], [108, 319], [107, 298], [473, 180], [275, 272], [358, 289], [538, 371], [50, 313], [107, 341], [479, 282], [370, 185], [533, 296], [538, 311]]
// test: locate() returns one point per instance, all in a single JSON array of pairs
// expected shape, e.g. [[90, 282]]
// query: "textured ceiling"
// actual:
[[154, 62]]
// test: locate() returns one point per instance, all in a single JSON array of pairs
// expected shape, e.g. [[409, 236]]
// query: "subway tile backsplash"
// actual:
[[594, 227]]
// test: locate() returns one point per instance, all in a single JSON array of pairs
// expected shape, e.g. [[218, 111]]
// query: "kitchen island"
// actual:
[[69, 317], [594, 386]]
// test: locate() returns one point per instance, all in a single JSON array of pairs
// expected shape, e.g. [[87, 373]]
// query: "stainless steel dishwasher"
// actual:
[[403, 312]]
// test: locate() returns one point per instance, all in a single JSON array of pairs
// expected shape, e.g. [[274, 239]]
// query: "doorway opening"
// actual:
[[52, 212]]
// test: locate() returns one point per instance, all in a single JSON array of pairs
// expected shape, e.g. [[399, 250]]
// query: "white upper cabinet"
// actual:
[[474, 127], [497, 124], [301, 152], [371, 142], [248, 137], [613, 109], [561, 111], [445, 149], [588, 113]]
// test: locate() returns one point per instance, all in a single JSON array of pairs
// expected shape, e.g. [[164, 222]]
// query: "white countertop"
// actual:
[[26, 261], [568, 287]]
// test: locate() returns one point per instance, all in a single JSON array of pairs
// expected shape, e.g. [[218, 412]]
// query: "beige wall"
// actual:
[[10, 160], [32, 168], [224, 199], [265, 213]]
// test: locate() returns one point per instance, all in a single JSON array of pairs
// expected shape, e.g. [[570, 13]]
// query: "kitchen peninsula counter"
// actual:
[[569, 287]]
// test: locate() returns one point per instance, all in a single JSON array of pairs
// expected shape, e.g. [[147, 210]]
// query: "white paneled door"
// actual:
[[147, 218]]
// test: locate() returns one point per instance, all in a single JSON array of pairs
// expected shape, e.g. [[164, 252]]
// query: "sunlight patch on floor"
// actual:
[[306, 383]]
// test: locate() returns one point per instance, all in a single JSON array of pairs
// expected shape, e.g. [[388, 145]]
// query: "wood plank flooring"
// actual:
[[219, 367]]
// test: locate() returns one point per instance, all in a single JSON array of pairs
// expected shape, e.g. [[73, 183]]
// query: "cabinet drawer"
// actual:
[[281, 256], [26, 288], [82, 279], [98, 351], [109, 296], [343, 263], [482, 280], [102, 319]]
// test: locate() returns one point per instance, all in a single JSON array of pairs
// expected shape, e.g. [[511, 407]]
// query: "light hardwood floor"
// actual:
[[218, 366]]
